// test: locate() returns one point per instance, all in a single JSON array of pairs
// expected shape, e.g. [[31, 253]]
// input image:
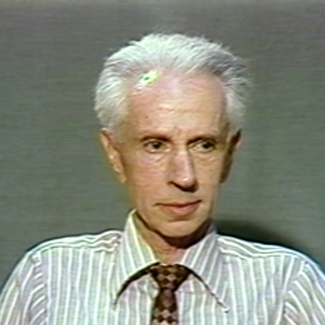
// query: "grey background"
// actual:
[[54, 179]]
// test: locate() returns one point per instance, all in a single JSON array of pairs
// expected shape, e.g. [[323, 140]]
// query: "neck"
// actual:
[[169, 249]]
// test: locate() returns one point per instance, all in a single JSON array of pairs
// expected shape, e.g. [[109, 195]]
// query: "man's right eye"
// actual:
[[154, 146]]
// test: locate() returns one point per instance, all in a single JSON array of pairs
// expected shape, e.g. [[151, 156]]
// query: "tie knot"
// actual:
[[169, 276]]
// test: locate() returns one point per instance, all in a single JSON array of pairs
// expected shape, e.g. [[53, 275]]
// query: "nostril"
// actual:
[[189, 187]]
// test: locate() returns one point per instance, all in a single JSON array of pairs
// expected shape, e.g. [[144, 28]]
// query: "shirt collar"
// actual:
[[132, 255], [203, 258], [206, 260]]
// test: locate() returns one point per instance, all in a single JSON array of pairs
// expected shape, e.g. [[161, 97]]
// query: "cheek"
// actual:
[[145, 180], [145, 172], [209, 171]]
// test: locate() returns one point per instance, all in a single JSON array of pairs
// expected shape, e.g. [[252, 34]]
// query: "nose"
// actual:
[[182, 173]]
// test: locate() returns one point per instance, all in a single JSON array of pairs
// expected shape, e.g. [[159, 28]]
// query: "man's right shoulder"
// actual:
[[106, 242]]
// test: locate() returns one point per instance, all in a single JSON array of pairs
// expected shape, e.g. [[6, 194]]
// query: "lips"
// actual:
[[180, 208]]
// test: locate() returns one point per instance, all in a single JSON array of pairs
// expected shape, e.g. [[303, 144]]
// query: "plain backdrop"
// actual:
[[54, 180]]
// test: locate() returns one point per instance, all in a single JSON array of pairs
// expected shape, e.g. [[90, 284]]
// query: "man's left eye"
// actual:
[[205, 145]]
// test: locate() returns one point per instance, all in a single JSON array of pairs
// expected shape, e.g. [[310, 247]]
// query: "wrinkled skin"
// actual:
[[173, 153]]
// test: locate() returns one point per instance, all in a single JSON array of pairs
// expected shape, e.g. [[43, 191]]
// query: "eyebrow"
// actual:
[[157, 136], [218, 137]]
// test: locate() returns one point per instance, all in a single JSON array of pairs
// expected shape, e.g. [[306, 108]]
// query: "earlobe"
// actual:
[[109, 143], [226, 169], [234, 144]]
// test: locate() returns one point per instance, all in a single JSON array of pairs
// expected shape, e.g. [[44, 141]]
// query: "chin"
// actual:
[[182, 229]]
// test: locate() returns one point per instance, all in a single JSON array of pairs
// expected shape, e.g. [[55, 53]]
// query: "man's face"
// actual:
[[173, 152]]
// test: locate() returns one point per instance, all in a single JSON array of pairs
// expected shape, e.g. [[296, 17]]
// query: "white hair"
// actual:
[[174, 52]]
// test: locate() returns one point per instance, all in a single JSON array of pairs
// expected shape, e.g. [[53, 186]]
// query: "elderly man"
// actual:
[[171, 109]]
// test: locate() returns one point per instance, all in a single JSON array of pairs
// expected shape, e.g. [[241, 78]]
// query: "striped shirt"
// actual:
[[83, 280]]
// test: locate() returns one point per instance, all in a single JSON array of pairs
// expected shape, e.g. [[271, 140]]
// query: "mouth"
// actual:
[[180, 208]]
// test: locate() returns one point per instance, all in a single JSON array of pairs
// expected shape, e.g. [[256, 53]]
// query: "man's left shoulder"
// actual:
[[246, 251]]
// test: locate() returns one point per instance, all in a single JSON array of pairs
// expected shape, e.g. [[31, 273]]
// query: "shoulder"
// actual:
[[266, 256], [240, 248], [55, 268], [86, 244]]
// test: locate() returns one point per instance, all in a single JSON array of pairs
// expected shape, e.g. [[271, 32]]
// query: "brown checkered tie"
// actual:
[[168, 278]]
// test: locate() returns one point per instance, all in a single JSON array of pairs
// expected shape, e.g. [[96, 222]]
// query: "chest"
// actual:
[[134, 306]]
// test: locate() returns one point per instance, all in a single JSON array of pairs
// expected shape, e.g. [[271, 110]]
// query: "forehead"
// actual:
[[176, 101], [173, 85]]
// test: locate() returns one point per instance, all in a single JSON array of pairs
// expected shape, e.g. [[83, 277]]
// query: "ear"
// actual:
[[110, 145], [233, 145]]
